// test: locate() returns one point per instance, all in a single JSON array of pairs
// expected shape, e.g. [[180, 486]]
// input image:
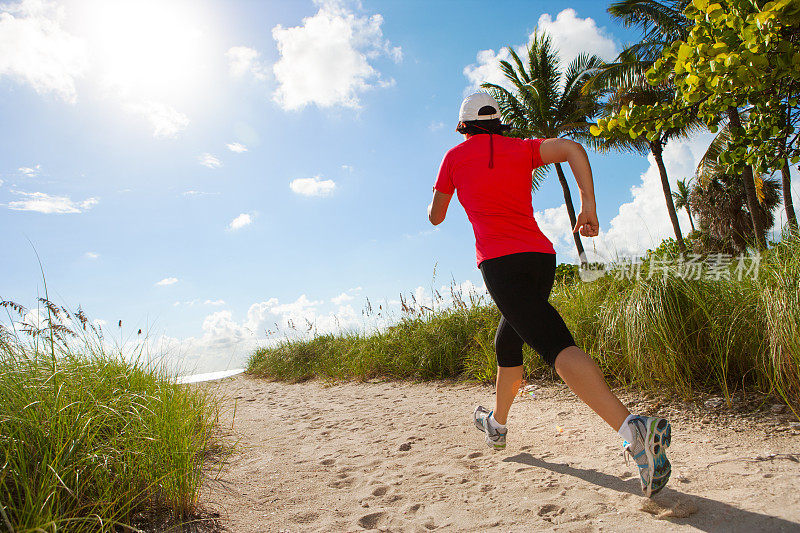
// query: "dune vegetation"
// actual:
[[665, 330], [89, 440]]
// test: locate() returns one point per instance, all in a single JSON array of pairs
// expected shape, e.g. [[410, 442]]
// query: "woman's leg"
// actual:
[[509, 378], [583, 376], [508, 347], [520, 286]]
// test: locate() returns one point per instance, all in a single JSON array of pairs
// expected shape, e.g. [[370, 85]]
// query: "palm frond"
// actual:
[[520, 67], [708, 167], [538, 176], [655, 19]]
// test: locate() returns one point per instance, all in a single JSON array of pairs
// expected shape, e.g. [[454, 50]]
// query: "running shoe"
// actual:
[[652, 437], [494, 439]]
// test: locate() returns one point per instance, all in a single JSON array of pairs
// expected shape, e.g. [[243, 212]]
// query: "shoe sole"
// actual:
[[495, 446], [661, 433]]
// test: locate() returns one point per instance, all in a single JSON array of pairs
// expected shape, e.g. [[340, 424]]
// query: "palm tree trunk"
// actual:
[[689, 212], [787, 199], [749, 187], [656, 149], [571, 211]]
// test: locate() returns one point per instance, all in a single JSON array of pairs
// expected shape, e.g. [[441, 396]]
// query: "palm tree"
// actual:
[[681, 197], [724, 217], [547, 102], [709, 167], [623, 81], [750, 186], [786, 183]]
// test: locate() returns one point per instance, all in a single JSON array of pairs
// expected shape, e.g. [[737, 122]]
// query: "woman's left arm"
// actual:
[[567, 151]]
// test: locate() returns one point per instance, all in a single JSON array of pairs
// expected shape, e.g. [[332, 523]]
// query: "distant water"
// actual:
[[194, 378]]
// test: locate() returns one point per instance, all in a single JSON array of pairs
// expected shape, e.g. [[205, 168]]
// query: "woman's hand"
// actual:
[[587, 223]]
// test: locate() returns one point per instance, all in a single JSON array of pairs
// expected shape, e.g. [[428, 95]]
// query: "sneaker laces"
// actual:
[[626, 453]]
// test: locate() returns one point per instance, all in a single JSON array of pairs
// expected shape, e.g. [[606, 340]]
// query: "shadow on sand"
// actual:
[[712, 515]]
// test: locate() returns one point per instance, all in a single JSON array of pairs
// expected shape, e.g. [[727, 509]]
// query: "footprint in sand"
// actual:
[[380, 491], [669, 507], [549, 511], [415, 508], [372, 520], [327, 462], [475, 455], [304, 518], [344, 483]]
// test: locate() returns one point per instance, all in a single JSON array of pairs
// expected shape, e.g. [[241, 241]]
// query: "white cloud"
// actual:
[[236, 147], [313, 186], [226, 342], [326, 61], [347, 168], [35, 49], [299, 306], [300, 317], [571, 36], [167, 281], [210, 161], [166, 121], [241, 221], [91, 255], [554, 223], [214, 302], [486, 69], [45, 203], [30, 172], [339, 300], [436, 125], [198, 193], [243, 60]]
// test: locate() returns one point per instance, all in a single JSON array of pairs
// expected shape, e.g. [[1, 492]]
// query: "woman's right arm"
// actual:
[[567, 151], [437, 209]]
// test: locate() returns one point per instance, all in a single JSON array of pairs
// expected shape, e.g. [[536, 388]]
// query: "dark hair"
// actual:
[[476, 127]]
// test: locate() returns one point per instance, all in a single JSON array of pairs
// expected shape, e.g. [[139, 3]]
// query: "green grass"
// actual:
[[89, 442], [675, 333]]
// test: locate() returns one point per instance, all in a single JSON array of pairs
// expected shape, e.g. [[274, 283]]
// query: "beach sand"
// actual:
[[400, 456]]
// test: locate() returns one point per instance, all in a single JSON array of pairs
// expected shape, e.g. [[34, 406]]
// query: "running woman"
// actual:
[[492, 175]]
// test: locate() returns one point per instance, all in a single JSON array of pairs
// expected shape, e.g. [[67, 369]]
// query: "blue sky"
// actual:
[[206, 169]]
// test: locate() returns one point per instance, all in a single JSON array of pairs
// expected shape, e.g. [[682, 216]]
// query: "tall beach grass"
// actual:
[[91, 441], [730, 331]]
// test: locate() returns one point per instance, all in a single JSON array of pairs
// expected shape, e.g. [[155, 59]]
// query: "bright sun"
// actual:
[[146, 49]]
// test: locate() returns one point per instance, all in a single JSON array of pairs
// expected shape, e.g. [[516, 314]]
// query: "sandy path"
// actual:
[[405, 457]]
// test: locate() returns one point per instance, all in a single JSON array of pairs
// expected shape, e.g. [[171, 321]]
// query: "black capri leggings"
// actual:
[[520, 285]]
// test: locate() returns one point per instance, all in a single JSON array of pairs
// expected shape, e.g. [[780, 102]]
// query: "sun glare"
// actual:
[[146, 48]]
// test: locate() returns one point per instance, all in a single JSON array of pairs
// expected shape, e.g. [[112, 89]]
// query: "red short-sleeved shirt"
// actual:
[[497, 200]]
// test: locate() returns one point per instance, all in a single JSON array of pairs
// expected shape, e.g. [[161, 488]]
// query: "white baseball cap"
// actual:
[[473, 104]]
